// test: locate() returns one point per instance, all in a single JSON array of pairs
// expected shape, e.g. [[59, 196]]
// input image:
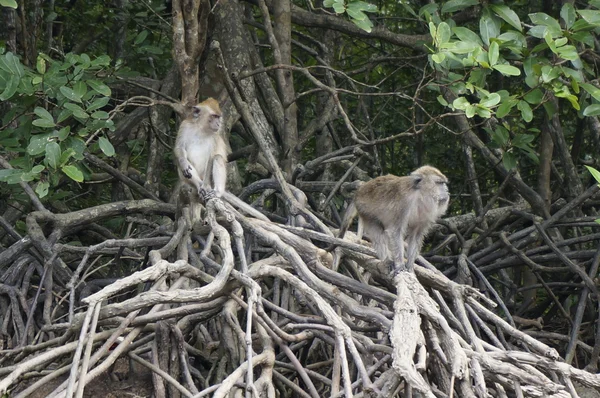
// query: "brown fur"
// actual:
[[392, 209]]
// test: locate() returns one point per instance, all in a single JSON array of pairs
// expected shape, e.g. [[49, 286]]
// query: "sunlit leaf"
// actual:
[[595, 173], [42, 189], [592, 110], [53, 154], [106, 146], [493, 53], [8, 3], [590, 16], [508, 70], [492, 100], [591, 90], [73, 172], [541, 18], [526, 112], [467, 35]]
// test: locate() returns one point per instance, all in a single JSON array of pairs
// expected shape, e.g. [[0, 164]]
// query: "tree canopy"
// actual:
[[99, 261]]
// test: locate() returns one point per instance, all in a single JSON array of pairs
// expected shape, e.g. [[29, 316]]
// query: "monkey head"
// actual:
[[207, 113], [432, 180]]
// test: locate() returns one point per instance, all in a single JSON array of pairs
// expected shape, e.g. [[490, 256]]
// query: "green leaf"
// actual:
[[591, 16], [44, 123], [470, 111], [592, 110], [565, 93], [339, 8], [505, 107], [144, 33], [40, 65], [42, 189], [523, 140], [507, 70], [9, 3], [541, 18], [526, 112], [443, 33], [567, 13], [37, 144], [460, 103], [467, 35], [70, 94], [98, 103], [37, 169], [595, 173], [73, 172], [100, 115], [428, 9], [489, 27], [362, 6], [53, 154], [568, 52], [442, 101], [11, 64], [64, 115], [103, 60], [591, 90], [438, 58], [106, 146], [10, 89], [43, 113], [508, 15], [10, 176], [63, 133], [364, 24], [77, 110], [509, 160], [457, 5], [493, 53], [80, 88], [491, 100], [534, 96], [356, 14]]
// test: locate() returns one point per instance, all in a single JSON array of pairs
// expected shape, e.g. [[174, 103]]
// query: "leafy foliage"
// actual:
[[355, 9], [56, 114]]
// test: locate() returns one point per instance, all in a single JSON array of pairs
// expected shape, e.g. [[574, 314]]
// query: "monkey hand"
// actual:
[[187, 172]]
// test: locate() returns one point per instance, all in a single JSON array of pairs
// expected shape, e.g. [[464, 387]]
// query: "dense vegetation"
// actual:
[[98, 260]]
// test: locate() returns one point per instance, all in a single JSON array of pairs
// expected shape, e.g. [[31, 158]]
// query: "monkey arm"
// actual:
[[182, 160]]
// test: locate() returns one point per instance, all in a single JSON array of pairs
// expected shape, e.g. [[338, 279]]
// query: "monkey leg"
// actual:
[[414, 242], [219, 174], [395, 241]]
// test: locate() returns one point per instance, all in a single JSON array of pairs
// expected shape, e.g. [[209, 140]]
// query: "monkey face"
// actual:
[[205, 115], [214, 121]]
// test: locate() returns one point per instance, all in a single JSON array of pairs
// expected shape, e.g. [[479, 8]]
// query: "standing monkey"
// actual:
[[200, 148], [392, 209]]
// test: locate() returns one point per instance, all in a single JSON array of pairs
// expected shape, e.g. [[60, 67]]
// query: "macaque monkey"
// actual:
[[393, 209], [200, 149]]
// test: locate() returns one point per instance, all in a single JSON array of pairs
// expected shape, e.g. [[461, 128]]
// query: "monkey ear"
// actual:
[[196, 111]]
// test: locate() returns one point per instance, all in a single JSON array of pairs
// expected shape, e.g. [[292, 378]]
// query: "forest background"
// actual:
[[317, 96]]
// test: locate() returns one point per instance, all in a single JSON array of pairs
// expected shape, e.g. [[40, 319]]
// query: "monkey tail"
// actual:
[[349, 215]]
